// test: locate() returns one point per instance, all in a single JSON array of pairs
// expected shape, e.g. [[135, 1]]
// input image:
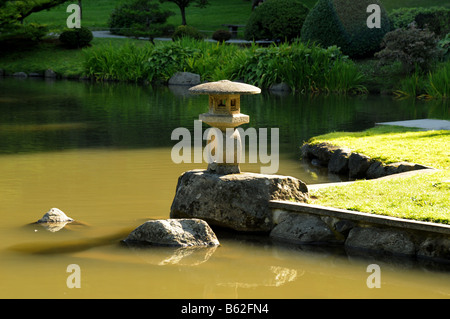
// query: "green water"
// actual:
[[102, 154]]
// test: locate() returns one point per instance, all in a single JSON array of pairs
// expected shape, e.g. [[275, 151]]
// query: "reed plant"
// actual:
[[434, 84], [304, 67], [123, 63], [439, 82]]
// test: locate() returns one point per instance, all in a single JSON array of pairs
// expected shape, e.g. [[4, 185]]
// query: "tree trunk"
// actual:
[[81, 9], [183, 15]]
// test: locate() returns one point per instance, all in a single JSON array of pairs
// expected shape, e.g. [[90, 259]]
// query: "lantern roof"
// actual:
[[224, 87]]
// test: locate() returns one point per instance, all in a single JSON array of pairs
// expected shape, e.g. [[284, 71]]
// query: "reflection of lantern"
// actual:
[[225, 113]]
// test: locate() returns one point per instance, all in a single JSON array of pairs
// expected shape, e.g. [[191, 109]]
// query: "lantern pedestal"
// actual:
[[224, 115]]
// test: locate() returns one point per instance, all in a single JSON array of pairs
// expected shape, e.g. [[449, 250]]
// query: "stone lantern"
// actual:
[[225, 115]]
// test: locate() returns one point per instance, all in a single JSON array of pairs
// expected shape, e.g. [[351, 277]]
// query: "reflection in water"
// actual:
[[271, 276], [182, 256], [102, 153], [53, 227]]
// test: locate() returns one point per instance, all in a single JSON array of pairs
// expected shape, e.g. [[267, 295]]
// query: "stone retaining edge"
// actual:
[[381, 220], [343, 161], [299, 223]]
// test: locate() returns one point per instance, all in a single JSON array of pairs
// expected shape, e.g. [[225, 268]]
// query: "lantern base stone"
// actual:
[[223, 169], [235, 201]]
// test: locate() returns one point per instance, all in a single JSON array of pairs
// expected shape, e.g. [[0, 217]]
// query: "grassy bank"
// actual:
[[303, 68], [424, 197], [390, 144], [49, 54]]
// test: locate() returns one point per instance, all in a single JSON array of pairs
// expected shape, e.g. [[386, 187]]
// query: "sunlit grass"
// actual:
[[424, 196], [396, 144]]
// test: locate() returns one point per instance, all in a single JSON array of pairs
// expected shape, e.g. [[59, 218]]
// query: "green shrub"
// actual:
[[186, 31], [211, 60], [276, 20], [437, 19], [413, 47], [437, 22], [344, 23], [76, 38], [221, 35], [166, 59], [139, 18], [304, 68]]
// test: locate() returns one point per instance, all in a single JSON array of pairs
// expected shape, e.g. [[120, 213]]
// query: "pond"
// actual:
[[102, 154]]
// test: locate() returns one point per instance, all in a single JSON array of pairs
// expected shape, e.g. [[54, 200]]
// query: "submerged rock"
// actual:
[[235, 201], [55, 215], [54, 220], [173, 232]]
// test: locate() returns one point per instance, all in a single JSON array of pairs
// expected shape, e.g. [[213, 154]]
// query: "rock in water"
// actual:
[[236, 201], [55, 215], [173, 232], [184, 78]]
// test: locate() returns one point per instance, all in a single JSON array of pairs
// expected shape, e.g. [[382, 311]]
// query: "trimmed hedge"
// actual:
[[186, 31], [76, 38], [344, 23], [221, 35], [139, 18], [277, 20], [436, 19]]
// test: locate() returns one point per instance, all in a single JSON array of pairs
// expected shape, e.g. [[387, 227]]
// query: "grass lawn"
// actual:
[[96, 13], [424, 197]]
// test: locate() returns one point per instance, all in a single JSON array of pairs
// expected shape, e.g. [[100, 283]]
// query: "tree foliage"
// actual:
[[139, 18], [276, 20], [12, 11], [344, 23], [12, 14]]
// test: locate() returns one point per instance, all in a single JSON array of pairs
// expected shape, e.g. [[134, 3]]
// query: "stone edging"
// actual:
[[301, 223], [355, 165]]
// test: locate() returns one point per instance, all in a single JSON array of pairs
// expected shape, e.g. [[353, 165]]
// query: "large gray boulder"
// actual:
[[50, 74], [235, 201], [184, 78], [173, 232]]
